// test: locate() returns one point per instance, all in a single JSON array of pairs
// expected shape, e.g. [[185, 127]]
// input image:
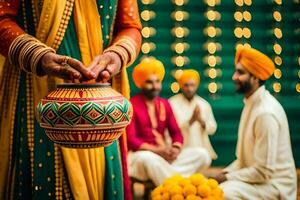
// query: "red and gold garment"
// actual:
[[31, 166]]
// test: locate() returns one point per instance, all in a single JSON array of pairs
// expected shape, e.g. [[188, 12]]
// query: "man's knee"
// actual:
[[146, 157], [231, 190], [201, 154]]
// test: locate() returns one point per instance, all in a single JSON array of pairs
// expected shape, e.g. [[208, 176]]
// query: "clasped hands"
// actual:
[[196, 116], [101, 69], [169, 153]]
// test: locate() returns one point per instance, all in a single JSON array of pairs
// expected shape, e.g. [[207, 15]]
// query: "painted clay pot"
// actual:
[[84, 115]]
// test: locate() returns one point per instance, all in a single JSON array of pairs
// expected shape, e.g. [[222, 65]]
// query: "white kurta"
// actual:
[[194, 135], [264, 168], [144, 165]]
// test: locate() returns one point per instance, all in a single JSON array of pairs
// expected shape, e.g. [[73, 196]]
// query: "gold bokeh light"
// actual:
[[145, 48], [279, 2], [178, 74], [175, 87], [212, 87], [278, 60], [179, 2], [211, 31], [247, 16], [277, 16], [146, 15], [239, 2], [238, 16], [277, 87], [212, 47], [298, 87], [248, 2], [179, 15], [278, 33], [147, 2], [179, 48], [179, 32], [277, 49], [238, 32], [246, 32], [179, 61], [146, 32], [211, 15], [277, 73], [211, 2], [247, 45], [212, 61], [212, 73]]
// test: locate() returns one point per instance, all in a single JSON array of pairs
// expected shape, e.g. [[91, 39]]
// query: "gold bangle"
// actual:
[[26, 51]]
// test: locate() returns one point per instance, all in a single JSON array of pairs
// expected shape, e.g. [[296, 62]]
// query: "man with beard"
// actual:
[[197, 121], [151, 157], [264, 167]]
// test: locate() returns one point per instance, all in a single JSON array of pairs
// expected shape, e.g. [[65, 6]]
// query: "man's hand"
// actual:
[[175, 151], [64, 67], [105, 66], [221, 177], [195, 115]]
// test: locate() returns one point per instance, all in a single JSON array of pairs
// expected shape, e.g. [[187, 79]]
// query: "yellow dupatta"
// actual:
[[85, 167], [92, 161]]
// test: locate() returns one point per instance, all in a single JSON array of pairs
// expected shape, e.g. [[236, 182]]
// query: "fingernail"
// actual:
[[93, 74]]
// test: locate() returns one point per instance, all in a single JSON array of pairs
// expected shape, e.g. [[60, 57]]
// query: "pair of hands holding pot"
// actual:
[[101, 69]]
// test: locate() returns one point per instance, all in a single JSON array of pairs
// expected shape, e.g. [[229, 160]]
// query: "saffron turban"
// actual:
[[255, 62], [187, 75], [145, 68]]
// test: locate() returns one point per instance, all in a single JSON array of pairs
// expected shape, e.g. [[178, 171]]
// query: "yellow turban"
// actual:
[[257, 63], [145, 68], [188, 74]]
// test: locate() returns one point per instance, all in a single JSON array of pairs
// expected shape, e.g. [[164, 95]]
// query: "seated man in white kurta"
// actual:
[[194, 116], [264, 167], [150, 157]]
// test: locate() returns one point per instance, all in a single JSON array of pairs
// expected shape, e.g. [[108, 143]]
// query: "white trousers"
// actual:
[[236, 190], [145, 165]]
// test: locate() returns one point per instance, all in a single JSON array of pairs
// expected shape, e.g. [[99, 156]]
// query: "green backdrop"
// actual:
[[275, 29]]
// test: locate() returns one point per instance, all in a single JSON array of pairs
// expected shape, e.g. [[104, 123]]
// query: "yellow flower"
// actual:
[[173, 179], [184, 181], [203, 190], [197, 179], [177, 197], [192, 197], [167, 187], [217, 192], [189, 190], [166, 196], [157, 190], [175, 189], [157, 197], [212, 183]]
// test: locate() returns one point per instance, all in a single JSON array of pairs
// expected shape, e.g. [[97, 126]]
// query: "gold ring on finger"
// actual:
[[65, 60], [102, 62]]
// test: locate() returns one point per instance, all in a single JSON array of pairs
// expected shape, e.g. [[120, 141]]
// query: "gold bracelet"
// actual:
[[130, 46], [121, 52], [25, 52]]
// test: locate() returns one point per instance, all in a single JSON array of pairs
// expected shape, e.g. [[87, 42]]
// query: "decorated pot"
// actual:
[[84, 115]]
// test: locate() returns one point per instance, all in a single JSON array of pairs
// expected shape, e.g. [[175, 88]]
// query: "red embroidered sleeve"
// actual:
[[127, 31], [9, 29]]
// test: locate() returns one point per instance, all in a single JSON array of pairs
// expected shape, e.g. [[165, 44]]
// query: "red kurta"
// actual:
[[139, 131]]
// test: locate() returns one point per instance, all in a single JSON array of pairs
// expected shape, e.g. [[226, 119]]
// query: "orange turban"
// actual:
[[257, 63], [145, 68], [188, 74]]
